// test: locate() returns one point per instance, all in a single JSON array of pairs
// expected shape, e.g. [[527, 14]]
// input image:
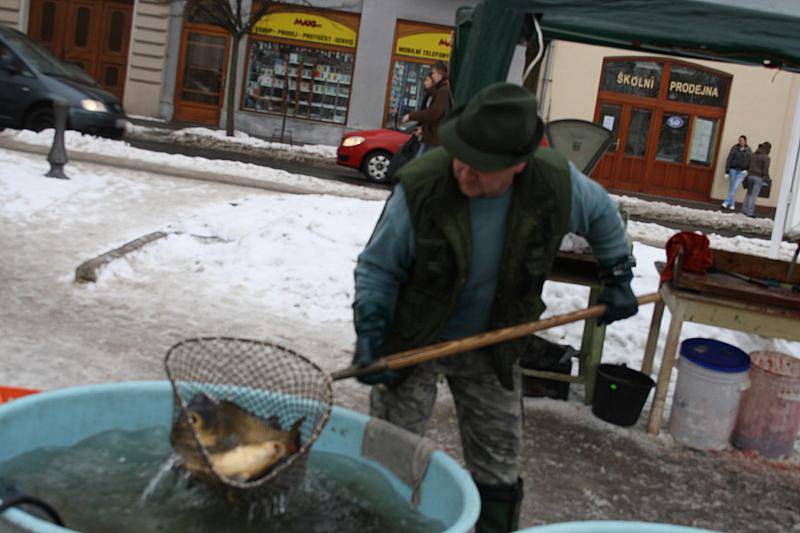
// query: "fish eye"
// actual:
[[194, 419]]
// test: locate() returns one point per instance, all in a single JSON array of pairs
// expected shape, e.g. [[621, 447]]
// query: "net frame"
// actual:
[[264, 379]]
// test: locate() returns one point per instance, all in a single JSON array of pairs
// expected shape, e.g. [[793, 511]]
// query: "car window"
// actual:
[[46, 62], [9, 58]]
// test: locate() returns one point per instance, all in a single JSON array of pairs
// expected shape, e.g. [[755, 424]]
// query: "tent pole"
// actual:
[[790, 185]]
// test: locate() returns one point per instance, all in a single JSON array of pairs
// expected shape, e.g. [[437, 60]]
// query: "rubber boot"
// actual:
[[500, 508]]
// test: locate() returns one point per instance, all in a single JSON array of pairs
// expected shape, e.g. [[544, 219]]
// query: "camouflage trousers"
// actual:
[[489, 416]]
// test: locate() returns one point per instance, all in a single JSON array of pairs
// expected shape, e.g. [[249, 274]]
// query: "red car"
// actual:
[[370, 151]]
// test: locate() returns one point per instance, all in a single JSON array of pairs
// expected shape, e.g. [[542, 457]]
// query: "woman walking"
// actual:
[[441, 104], [757, 175], [736, 169]]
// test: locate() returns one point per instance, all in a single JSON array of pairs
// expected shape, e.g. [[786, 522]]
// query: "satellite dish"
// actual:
[[580, 141]]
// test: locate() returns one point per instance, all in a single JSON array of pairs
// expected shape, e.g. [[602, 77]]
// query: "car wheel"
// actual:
[[375, 166], [40, 119]]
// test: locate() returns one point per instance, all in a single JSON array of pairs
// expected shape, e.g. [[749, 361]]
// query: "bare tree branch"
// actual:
[[257, 14]]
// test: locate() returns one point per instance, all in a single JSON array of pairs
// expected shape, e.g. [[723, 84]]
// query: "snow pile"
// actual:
[[243, 139], [723, 220], [292, 253], [125, 153]]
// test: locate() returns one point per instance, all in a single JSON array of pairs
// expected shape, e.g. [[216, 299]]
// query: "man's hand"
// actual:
[[406, 118], [371, 321], [616, 292]]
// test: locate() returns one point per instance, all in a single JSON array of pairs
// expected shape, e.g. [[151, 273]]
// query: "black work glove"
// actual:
[[372, 322], [616, 291]]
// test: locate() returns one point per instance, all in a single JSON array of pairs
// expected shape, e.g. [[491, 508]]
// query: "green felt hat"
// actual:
[[496, 129]]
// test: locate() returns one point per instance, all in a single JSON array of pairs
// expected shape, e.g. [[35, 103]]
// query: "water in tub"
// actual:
[[119, 481]]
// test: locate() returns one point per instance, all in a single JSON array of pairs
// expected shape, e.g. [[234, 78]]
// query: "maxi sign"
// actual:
[[303, 26]]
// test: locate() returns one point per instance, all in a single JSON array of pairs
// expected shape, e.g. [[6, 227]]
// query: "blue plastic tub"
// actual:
[[612, 526], [67, 416], [715, 355]]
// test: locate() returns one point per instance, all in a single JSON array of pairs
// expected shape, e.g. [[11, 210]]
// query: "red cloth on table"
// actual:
[[696, 253]]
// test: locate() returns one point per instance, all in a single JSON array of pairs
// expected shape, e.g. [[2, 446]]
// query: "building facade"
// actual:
[[674, 121], [308, 74]]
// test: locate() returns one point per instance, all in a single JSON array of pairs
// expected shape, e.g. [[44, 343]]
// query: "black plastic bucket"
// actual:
[[620, 393]]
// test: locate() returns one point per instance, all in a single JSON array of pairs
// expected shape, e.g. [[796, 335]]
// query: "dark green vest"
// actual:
[[537, 221]]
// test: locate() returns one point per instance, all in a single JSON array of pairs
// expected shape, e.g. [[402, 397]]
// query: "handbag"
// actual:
[[405, 154], [766, 188]]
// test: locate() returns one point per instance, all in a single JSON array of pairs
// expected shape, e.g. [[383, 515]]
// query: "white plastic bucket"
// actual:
[[705, 405]]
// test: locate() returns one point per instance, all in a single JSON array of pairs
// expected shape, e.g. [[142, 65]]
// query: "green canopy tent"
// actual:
[[486, 35]]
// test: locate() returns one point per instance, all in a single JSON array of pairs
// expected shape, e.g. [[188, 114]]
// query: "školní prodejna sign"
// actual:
[[636, 81], [687, 83]]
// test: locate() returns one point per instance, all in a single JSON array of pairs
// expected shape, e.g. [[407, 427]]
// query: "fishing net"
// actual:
[[271, 382]]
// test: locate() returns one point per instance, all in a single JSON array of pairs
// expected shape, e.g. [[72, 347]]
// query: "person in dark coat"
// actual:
[[736, 169], [440, 105], [757, 175]]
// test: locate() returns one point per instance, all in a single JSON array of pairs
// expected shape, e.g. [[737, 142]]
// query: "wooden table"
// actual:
[[579, 269], [767, 320]]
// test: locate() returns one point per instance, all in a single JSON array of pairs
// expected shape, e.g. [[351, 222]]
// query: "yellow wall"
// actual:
[[760, 105]]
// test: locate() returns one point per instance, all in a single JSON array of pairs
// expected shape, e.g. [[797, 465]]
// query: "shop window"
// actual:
[[639, 78], [609, 119], [696, 86], [672, 139], [406, 91], [48, 21], [704, 139], [82, 26], [204, 62], [116, 29], [638, 127], [301, 82]]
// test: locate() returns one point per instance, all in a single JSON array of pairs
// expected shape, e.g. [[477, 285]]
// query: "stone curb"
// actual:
[[87, 271]]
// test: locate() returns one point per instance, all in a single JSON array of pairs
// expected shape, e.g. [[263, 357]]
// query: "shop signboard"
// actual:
[[306, 26], [697, 86], [434, 46], [639, 78]]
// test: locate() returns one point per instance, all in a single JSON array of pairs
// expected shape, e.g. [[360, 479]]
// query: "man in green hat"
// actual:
[[464, 246]]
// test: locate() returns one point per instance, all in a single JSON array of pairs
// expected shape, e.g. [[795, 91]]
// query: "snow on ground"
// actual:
[[77, 142], [296, 254], [719, 219], [250, 263]]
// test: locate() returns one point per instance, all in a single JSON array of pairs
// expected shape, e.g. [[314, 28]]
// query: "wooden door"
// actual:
[[624, 165], [683, 163], [202, 69], [92, 34], [112, 58], [46, 25], [82, 34]]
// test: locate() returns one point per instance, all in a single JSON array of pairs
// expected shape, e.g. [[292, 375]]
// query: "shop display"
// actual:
[[304, 82], [405, 89]]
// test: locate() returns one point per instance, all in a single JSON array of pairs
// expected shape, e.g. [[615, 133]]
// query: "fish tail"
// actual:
[[297, 424], [294, 433]]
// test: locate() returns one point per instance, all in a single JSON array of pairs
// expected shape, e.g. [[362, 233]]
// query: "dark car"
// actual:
[[31, 78]]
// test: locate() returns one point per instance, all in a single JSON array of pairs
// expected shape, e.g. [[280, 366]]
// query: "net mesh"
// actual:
[[266, 380]]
